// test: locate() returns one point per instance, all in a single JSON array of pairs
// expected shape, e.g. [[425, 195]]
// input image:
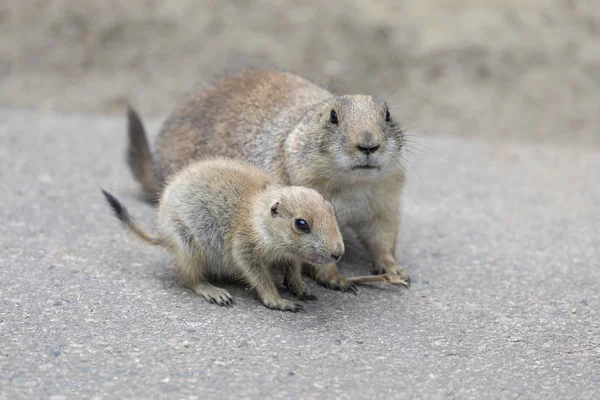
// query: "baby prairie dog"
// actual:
[[347, 147], [226, 219]]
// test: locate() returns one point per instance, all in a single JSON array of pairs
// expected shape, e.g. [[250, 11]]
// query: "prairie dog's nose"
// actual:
[[367, 150], [367, 143]]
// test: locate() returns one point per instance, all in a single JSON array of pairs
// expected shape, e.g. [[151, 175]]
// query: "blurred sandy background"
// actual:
[[502, 69]]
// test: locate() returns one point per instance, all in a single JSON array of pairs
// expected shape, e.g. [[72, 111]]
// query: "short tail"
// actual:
[[139, 156], [123, 215]]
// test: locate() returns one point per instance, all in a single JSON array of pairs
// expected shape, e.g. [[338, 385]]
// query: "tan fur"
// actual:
[[226, 219], [282, 123]]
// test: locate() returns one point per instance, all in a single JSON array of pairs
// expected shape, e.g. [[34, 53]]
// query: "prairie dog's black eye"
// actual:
[[302, 225], [333, 117], [387, 116]]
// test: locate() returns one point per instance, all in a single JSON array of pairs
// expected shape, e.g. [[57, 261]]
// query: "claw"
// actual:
[[302, 295], [378, 271], [352, 288], [307, 297], [299, 308]]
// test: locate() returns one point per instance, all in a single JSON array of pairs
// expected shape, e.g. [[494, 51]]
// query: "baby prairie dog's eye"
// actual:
[[387, 116], [333, 117], [302, 225]]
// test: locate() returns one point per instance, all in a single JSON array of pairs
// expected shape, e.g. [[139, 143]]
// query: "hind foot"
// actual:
[[213, 294]]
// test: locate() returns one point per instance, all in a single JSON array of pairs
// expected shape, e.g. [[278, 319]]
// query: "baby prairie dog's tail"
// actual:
[[123, 215]]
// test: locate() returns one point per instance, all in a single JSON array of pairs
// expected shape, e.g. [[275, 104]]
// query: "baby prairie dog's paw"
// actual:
[[302, 292], [282, 305], [330, 278], [296, 285], [338, 283]]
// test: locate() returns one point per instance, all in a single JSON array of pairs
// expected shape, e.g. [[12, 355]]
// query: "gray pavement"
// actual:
[[501, 239]]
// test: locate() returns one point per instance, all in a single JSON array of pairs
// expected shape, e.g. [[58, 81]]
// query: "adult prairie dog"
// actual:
[[348, 148], [226, 219]]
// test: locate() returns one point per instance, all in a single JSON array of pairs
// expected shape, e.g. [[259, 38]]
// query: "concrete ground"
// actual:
[[501, 240], [501, 215]]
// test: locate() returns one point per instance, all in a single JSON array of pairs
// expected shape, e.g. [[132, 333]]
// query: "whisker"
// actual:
[[405, 160], [418, 155], [400, 161], [414, 151], [391, 97], [422, 147], [406, 128]]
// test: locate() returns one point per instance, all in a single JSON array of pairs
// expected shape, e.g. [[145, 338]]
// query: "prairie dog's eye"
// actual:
[[302, 225], [333, 117], [387, 116]]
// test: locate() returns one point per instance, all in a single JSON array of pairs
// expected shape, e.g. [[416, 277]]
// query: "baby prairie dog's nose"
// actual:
[[367, 143]]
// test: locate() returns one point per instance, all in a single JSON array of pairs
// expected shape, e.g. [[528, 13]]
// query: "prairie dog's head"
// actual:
[[356, 138], [299, 222]]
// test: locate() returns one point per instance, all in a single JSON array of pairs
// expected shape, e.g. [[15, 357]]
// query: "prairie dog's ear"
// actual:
[[275, 209]]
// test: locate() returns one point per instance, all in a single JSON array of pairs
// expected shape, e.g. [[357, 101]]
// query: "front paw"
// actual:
[[328, 276], [306, 296], [282, 305], [338, 283], [393, 269], [301, 292]]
